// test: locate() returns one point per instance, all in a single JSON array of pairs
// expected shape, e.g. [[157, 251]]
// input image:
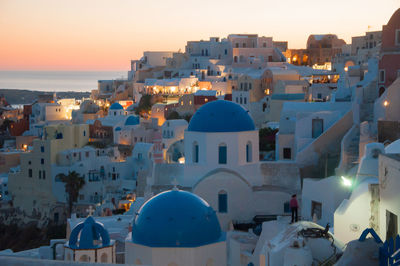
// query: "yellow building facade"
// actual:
[[32, 187]]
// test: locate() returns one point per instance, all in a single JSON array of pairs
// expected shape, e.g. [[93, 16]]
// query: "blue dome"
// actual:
[[132, 120], [221, 116], [116, 106], [176, 218], [89, 230]]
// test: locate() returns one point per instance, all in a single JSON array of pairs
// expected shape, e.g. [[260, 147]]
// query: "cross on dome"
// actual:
[[90, 210], [175, 184]]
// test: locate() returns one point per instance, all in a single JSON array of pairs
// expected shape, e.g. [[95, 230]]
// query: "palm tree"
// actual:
[[73, 183]]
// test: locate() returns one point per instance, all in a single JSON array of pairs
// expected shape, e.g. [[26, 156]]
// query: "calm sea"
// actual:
[[56, 80]]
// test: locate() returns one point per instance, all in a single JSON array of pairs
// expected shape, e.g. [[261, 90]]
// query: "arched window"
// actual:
[[286, 207], [222, 153], [235, 59], [195, 153], [104, 258], [222, 201], [381, 91], [249, 152]]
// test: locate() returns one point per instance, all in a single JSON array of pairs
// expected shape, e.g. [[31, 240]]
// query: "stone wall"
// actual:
[[375, 201], [282, 175]]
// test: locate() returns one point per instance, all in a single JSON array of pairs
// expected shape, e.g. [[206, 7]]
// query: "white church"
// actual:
[[221, 151]]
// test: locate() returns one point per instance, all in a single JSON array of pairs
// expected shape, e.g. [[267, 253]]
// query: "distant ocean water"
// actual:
[[56, 80]]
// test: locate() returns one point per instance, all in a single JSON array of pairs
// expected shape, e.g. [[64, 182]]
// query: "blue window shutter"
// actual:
[[196, 155], [222, 155], [222, 202]]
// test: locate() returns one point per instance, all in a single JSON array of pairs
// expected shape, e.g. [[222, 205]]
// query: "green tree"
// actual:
[[73, 183], [144, 104], [6, 124], [267, 139], [174, 115]]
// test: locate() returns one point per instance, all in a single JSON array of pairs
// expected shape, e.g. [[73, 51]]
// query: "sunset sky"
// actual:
[[106, 34]]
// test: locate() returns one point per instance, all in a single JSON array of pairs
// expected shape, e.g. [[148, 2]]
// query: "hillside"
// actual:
[[26, 96]]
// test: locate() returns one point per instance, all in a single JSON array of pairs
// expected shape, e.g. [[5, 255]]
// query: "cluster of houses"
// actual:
[[176, 147]]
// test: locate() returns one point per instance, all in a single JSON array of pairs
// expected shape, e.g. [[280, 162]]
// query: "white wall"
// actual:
[[239, 196], [352, 216], [198, 256], [389, 191], [316, 190]]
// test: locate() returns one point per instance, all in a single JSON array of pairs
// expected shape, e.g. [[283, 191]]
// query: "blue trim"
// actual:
[[89, 231], [373, 234]]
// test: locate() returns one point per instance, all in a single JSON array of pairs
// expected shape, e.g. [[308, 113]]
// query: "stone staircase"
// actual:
[[367, 112], [353, 151], [349, 150]]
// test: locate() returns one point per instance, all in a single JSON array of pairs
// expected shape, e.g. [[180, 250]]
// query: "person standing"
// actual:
[[294, 205]]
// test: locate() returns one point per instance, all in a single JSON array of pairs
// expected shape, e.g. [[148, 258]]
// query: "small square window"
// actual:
[[287, 153]]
